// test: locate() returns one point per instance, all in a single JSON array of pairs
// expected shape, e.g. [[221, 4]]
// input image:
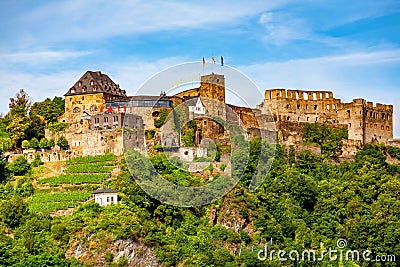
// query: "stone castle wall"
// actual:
[[77, 105], [365, 122]]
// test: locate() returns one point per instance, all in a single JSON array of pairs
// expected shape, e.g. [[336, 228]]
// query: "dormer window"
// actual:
[[72, 90], [79, 83], [84, 89], [95, 88], [91, 82]]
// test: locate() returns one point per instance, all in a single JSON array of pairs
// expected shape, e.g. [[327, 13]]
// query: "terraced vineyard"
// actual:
[[84, 170], [93, 159], [56, 201], [91, 168], [76, 179]]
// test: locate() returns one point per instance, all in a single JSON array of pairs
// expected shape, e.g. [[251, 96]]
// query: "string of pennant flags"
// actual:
[[187, 80]]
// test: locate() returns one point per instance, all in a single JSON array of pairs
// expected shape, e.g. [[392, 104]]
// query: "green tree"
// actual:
[[25, 144], [20, 104], [56, 127], [12, 211], [62, 142], [60, 103], [327, 138], [16, 128], [20, 166], [48, 109], [43, 143], [51, 143], [5, 143], [35, 126], [34, 143]]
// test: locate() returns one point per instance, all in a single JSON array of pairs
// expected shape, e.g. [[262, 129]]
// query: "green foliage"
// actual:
[[25, 144], [43, 144], [20, 166], [163, 113], [37, 161], [62, 142], [91, 168], [56, 127], [188, 134], [49, 109], [51, 143], [34, 143], [23, 122], [304, 202], [95, 178], [327, 138], [92, 159], [5, 143], [12, 211], [394, 152], [56, 201], [150, 134]]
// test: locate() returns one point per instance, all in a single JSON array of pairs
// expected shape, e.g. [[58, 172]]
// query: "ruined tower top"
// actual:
[[214, 79]]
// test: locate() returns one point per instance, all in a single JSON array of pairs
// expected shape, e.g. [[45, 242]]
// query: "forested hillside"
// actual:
[[307, 201]]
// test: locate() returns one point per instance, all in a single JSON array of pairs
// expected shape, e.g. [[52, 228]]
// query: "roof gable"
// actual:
[[95, 82]]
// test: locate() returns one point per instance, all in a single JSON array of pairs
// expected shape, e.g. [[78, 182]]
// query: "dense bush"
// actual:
[[19, 166]]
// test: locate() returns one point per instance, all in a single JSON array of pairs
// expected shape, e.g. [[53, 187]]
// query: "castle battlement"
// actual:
[[365, 121]]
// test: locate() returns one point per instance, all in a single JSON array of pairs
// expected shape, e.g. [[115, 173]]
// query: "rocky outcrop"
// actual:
[[132, 253]]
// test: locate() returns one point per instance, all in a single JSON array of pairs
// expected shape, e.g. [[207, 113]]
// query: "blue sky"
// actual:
[[349, 47]]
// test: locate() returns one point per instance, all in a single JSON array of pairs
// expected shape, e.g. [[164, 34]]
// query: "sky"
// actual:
[[349, 47]]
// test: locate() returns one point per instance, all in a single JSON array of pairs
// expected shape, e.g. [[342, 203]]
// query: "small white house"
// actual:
[[199, 108], [106, 196]]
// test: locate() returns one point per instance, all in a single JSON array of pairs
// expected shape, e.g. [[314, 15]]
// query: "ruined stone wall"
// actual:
[[53, 155], [365, 123], [378, 123], [84, 141], [246, 115], [352, 114], [301, 106]]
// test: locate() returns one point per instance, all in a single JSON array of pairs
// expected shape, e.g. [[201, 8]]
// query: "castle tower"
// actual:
[[213, 86]]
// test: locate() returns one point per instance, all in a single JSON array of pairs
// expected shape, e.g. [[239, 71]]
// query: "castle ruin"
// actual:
[[95, 108]]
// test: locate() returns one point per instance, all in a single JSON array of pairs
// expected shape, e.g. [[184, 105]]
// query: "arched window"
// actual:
[[76, 110], [93, 108], [79, 83], [91, 82], [84, 89], [72, 90]]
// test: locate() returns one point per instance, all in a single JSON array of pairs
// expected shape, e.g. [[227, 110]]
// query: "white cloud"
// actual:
[[130, 74], [41, 57], [38, 86], [282, 28], [83, 20]]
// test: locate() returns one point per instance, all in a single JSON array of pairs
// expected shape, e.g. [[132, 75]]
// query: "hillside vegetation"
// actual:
[[305, 202]]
